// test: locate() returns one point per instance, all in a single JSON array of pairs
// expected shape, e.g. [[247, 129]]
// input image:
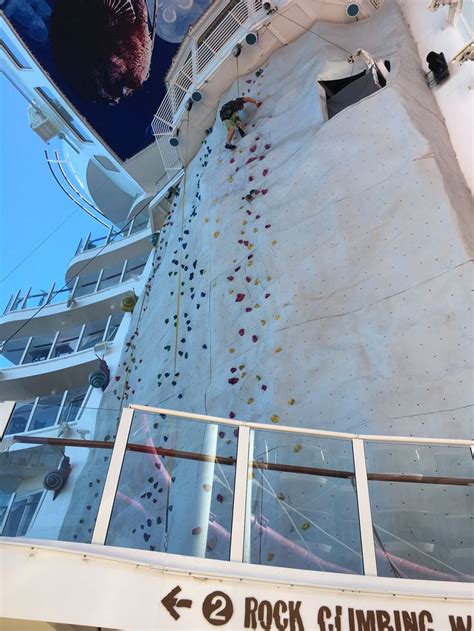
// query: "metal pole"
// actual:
[[240, 497], [363, 502]]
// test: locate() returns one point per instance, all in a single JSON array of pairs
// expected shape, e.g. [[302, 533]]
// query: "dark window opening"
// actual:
[[342, 93]]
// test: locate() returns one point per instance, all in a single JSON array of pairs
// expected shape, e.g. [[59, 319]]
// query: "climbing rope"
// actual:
[[183, 206]]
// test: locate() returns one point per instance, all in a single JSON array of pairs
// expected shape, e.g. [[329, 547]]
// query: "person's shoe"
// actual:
[[241, 132], [229, 146]]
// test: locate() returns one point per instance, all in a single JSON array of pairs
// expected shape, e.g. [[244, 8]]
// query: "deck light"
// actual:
[[251, 39], [196, 96], [352, 9], [174, 141]]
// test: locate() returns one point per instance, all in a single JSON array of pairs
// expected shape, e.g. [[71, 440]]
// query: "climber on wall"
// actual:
[[229, 116]]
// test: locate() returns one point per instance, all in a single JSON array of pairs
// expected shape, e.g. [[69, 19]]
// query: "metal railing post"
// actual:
[[74, 288], [363, 503], [86, 242], [109, 236], [50, 293], [112, 480], [239, 516], [53, 345], [27, 347], [23, 303]]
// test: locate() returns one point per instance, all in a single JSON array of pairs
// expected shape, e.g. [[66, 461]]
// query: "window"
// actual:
[[20, 515], [14, 349], [86, 284], [111, 276]]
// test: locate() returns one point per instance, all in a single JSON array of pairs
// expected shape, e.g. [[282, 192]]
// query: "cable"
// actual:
[[38, 246], [308, 30], [76, 275]]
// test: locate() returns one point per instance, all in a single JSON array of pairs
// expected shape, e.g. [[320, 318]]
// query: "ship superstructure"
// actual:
[[249, 406]]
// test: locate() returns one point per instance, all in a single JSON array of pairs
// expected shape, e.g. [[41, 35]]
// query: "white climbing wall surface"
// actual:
[[338, 297]]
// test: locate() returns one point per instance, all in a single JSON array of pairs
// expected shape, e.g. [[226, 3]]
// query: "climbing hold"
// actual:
[[250, 401], [196, 531], [297, 448], [241, 332], [278, 349], [270, 556], [206, 487], [231, 414], [233, 380], [291, 401], [254, 338], [219, 498], [275, 418], [305, 526], [239, 297], [281, 496], [264, 387], [216, 234], [231, 350]]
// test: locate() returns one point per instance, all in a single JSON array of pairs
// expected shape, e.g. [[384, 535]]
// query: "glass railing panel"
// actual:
[[12, 351], [422, 504], [93, 334], [114, 325], [19, 419], [176, 487], [302, 506], [86, 284], [61, 295], [139, 224], [94, 243], [66, 342], [39, 349], [46, 412], [35, 300], [16, 303], [111, 276], [135, 267], [33, 475], [72, 404]]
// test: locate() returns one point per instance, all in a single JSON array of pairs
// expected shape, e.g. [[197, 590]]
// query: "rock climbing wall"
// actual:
[[337, 298], [317, 276]]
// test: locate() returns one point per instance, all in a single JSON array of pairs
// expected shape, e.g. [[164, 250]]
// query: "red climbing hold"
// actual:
[[248, 309], [254, 338], [232, 160], [265, 172], [246, 243], [231, 278], [117, 378], [241, 332], [221, 434], [268, 225], [240, 241], [233, 380], [261, 157], [250, 178], [239, 297], [251, 160], [264, 191], [196, 531], [253, 148]]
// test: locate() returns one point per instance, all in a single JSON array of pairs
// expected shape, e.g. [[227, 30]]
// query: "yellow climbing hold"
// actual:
[[297, 448], [276, 316], [274, 242], [250, 246], [242, 366], [255, 230], [244, 222], [270, 556], [206, 219], [257, 306], [230, 178], [275, 418], [291, 401], [256, 282], [231, 291], [278, 349], [263, 322], [250, 401], [231, 350], [269, 278], [249, 264], [216, 234], [305, 526]]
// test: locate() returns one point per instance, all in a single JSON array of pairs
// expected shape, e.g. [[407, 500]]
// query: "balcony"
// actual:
[[55, 361]]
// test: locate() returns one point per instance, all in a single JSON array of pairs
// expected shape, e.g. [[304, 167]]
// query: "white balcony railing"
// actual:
[[262, 494]]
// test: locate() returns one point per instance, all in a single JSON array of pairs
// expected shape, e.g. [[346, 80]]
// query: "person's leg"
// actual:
[[230, 133]]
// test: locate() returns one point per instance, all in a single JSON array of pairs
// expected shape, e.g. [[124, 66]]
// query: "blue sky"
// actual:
[[31, 205]]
